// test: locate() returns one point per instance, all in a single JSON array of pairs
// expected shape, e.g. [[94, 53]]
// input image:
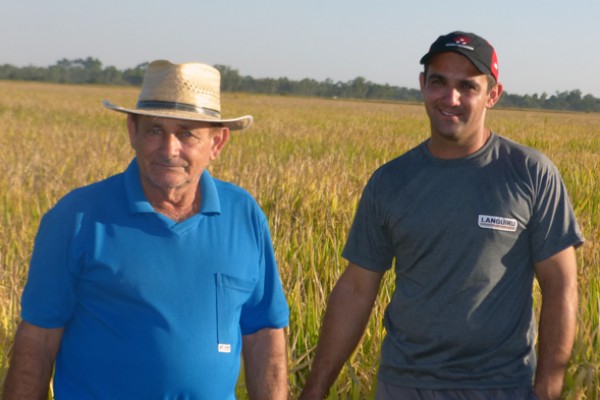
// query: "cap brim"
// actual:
[[468, 55], [234, 124]]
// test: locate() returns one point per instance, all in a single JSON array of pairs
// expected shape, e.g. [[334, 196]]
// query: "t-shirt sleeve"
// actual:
[[553, 226], [368, 244], [267, 306], [48, 298]]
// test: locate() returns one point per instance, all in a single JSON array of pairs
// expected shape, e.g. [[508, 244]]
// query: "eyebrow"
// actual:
[[180, 125], [471, 81], [434, 75]]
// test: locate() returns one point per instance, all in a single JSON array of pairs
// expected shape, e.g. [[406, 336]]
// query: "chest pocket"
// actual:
[[232, 293]]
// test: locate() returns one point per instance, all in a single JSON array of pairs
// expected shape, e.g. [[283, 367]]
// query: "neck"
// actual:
[[177, 205], [443, 148]]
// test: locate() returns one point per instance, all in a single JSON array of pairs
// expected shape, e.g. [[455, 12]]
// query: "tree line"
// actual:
[[91, 71]]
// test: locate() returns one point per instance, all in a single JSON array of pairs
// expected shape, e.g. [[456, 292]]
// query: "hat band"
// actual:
[[169, 105]]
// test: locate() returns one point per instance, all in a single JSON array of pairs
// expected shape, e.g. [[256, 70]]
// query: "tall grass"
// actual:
[[306, 162]]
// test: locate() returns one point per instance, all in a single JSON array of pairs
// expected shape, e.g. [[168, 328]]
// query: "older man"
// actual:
[[470, 218], [151, 283]]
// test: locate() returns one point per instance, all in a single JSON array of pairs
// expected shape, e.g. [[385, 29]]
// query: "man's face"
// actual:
[[172, 153], [456, 97]]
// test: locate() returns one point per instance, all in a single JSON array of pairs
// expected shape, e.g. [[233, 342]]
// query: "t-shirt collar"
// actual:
[[138, 203]]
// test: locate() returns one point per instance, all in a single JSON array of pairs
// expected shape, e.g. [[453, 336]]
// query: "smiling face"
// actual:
[[172, 154], [456, 96]]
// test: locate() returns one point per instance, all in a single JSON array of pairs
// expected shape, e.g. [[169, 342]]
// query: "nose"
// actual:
[[171, 145], [452, 96]]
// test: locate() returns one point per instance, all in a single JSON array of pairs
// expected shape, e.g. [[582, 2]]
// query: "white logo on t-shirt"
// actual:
[[224, 348], [498, 223]]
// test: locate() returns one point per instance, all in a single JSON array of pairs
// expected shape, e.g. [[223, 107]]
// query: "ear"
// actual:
[[220, 136], [422, 81], [132, 129], [494, 95]]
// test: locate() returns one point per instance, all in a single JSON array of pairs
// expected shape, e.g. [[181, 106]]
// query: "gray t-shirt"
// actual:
[[464, 234]]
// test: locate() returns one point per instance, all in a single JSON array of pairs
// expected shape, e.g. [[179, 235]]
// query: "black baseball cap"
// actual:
[[477, 50]]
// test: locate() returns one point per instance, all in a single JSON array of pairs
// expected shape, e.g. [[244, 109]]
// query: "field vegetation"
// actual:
[[306, 162]]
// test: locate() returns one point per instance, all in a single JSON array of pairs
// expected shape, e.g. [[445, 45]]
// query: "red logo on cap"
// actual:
[[494, 66], [462, 40]]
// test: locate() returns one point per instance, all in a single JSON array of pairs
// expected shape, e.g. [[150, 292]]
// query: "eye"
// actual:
[[436, 81], [155, 130], [469, 86], [187, 136]]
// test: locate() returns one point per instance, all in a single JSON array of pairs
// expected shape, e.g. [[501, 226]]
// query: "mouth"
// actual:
[[450, 113], [168, 166]]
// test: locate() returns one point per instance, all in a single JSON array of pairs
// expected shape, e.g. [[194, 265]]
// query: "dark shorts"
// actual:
[[391, 392]]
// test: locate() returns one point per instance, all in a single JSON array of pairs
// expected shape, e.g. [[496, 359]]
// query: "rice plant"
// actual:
[[306, 162]]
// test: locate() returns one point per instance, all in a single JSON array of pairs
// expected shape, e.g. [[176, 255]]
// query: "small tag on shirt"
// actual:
[[224, 348], [498, 223]]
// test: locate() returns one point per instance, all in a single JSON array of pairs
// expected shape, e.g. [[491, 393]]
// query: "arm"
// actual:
[[265, 364], [348, 310], [557, 277], [34, 352]]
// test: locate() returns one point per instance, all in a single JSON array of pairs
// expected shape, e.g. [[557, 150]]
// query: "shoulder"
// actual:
[[228, 190], [518, 152], [527, 164], [403, 166], [232, 196], [104, 193], [396, 174]]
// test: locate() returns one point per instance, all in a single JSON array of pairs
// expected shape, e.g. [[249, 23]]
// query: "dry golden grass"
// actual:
[[306, 161]]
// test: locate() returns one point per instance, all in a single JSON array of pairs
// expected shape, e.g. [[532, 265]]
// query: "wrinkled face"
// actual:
[[172, 153], [456, 96]]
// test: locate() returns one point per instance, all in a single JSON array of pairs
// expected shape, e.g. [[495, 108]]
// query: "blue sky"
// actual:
[[542, 45]]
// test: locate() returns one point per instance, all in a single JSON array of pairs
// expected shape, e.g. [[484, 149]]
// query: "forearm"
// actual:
[[557, 327], [31, 365], [555, 343], [265, 362], [343, 325]]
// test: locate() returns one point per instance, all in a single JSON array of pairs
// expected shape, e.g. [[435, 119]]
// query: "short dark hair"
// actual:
[[490, 78]]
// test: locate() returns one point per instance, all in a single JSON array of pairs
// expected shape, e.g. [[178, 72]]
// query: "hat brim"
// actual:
[[234, 124]]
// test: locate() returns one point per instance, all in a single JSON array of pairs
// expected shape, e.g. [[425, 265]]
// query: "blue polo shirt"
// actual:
[[152, 308]]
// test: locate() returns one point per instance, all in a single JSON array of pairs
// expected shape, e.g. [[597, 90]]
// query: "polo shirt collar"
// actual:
[[210, 196], [139, 204]]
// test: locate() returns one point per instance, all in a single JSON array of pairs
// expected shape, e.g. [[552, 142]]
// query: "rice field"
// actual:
[[306, 162]]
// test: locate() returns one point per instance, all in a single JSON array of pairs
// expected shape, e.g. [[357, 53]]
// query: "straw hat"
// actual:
[[189, 91]]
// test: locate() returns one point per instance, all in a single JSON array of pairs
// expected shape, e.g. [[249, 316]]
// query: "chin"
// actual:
[[451, 136]]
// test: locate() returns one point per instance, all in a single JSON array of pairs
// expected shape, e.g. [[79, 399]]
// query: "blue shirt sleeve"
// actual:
[[49, 298], [267, 306]]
